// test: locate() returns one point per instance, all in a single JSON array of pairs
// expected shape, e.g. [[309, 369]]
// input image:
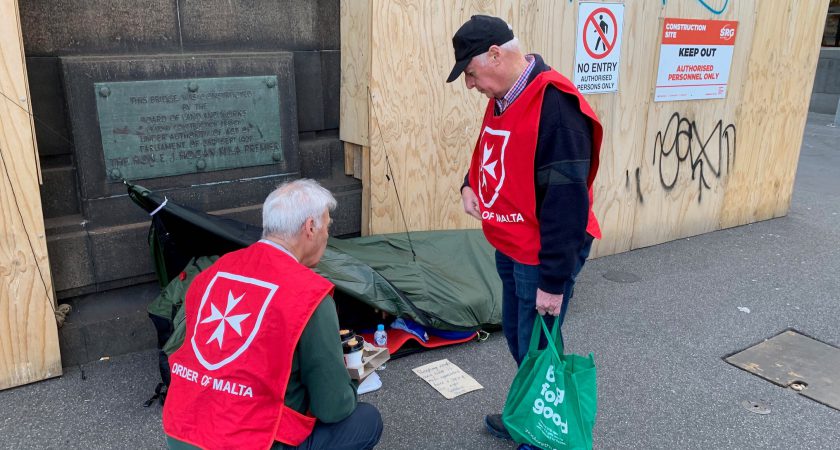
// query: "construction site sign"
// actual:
[[598, 51], [694, 59]]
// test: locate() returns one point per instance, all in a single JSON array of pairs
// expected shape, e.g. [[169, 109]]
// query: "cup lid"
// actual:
[[352, 345]]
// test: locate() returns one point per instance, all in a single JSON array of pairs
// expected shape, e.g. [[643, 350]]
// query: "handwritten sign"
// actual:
[[447, 378]]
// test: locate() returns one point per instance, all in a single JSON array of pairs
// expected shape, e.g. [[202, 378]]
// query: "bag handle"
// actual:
[[557, 335], [553, 337]]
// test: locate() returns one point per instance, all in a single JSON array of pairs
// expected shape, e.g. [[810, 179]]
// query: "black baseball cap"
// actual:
[[474, 38]]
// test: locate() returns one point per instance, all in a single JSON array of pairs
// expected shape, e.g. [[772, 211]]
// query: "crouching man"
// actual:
[[261, 365]]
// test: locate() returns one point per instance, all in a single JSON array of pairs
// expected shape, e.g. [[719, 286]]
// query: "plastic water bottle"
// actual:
[[381, 336]]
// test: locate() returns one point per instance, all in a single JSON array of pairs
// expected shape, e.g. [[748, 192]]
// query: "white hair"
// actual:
[[511, 45], [287, 208]]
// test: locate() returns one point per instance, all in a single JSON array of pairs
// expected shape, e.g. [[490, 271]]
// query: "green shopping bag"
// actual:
[[553, 398]]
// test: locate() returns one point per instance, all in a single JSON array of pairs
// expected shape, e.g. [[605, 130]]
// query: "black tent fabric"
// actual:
[[451, 284]]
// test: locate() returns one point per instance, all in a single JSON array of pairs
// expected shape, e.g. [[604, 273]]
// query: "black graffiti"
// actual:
[[685, 143], [638, 172], [638, 183]]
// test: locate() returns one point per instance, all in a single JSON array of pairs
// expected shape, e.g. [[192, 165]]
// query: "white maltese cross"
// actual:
[[234, 322], [487, 167]]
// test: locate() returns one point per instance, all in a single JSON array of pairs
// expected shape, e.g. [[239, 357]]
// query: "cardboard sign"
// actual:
[[598, 51], [694, 59], [447, 378]]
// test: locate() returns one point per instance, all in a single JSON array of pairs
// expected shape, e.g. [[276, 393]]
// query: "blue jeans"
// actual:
[[519, 300], [360, 431]]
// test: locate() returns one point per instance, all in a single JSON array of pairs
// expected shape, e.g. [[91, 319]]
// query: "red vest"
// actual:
[[502, 169], [244, 317]]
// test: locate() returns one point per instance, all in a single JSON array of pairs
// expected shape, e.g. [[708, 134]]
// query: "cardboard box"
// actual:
[[372, 357]]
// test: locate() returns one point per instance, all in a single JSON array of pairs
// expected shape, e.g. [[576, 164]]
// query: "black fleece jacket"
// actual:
[[561, 166]]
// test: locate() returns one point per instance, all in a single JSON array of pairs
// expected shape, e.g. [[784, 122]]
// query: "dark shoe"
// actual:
[[496, 427]]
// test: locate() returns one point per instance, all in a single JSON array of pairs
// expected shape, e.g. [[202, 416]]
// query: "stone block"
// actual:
[[347, 219], [80, 74], [824, 103], [237, 192], [107, 324], [128, 333], [337, 155], [331, 79], [251, 215], [71, 341], [309, 88], [72, 27], [329, 24], [70, 261], [51, 128], [315, 157], [346, 190], [827, 78], [59, 196], [73, 223], [254, 25], [107, 285], [121, 252]]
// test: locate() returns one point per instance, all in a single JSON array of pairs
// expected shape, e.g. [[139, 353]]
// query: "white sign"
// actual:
[[694, 59], [598, 51], [447, 378]]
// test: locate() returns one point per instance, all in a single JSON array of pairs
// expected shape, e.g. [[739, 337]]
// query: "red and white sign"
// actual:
[[229, 318], [598, 51], [694, 59]]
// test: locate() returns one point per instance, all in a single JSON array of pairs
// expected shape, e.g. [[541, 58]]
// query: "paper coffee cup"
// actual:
[[353, 353]]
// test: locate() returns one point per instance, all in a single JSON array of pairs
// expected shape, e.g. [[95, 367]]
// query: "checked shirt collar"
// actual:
[[518, 87]]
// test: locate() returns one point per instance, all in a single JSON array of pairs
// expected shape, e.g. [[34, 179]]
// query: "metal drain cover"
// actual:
[[756, 407], [793, 360]]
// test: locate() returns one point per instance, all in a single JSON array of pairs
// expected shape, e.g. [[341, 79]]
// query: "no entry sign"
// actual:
[[597, 56], [694, 59]]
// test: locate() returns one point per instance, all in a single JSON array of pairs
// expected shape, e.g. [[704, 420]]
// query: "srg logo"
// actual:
[[727, 33]]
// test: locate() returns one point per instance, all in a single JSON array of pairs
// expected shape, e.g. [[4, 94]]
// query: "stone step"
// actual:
[[109, 317], [106, 324], [85, 256]]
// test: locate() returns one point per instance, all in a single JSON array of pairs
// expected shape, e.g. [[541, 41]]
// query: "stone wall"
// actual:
[[96, 235], [826, 93]]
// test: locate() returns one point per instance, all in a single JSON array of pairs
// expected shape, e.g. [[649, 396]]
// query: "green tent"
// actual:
[[440, 279]]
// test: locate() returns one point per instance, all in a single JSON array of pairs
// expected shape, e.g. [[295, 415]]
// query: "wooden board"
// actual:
[[355, 71], [774, 109], [617, 187], [28, 334], [744, 148], [688, 152]]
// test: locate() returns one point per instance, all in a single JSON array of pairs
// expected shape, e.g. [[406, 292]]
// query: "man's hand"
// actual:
[[470, 201], [549, 303]]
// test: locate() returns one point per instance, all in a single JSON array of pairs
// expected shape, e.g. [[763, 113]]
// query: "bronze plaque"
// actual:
[[161, 128]]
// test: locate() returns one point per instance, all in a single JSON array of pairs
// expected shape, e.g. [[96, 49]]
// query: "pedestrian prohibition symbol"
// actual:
[[598, 46], [604, 25]]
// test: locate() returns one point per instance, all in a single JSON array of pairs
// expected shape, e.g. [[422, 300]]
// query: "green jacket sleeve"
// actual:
[[331, 392]]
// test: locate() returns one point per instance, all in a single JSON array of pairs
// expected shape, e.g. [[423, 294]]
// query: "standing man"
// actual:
[[530, 180], [262, 365]]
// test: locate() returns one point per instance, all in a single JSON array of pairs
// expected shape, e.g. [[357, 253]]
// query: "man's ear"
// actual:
[[493, 54], [309, 227]]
